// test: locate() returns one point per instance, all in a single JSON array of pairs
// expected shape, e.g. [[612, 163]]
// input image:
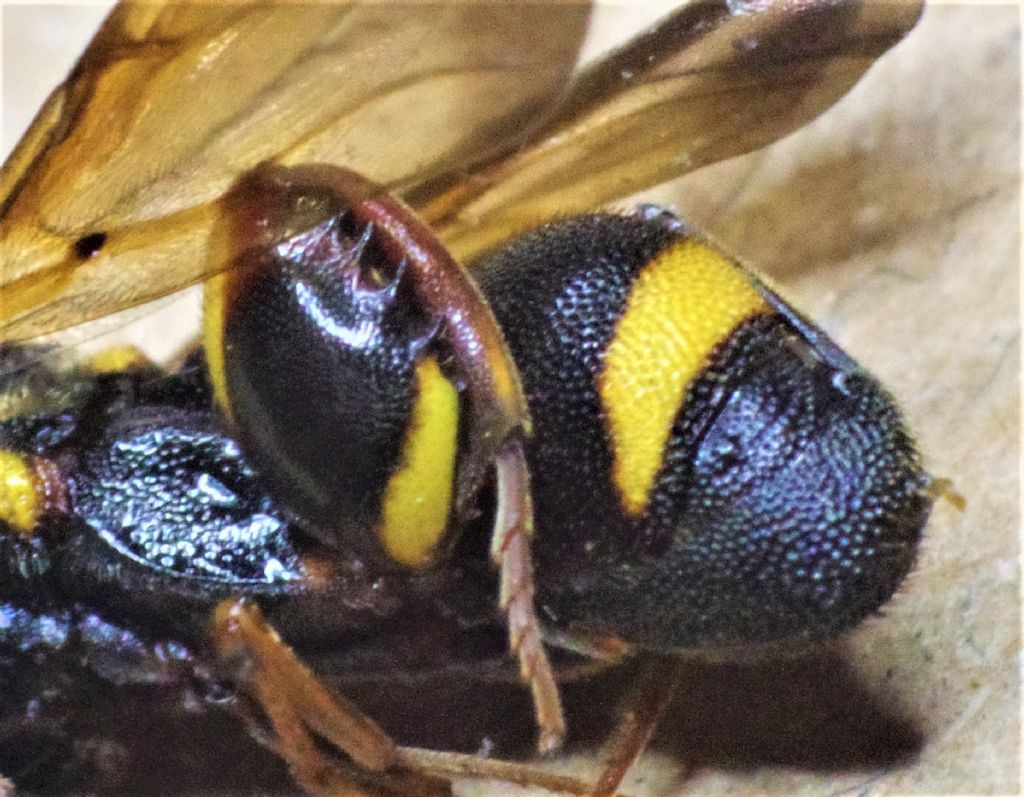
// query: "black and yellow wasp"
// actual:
[[432, 406]]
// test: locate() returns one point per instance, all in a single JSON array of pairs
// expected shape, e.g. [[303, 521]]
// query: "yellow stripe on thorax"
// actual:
[[20, 493], [682, 305], [417, 501]]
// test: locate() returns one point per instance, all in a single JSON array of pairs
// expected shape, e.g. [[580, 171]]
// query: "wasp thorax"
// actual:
[[321, 357]]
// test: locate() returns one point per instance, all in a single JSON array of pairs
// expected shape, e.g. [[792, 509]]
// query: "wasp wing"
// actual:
[[109, 199], [711, 81]]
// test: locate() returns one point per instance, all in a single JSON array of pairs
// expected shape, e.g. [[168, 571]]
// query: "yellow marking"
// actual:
[[213, 340], [19, 493], [118, 358], [682, 305], [417, 501]]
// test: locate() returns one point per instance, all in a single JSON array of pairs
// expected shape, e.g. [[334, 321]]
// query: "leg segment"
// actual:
[[644, 708], [510, 551], [300, 709], [298, 705]]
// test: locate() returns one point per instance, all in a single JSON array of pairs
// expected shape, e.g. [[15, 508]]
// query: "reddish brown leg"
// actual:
[[510, 551], [459, 766], [644, 708], [319, 775], [298, 705]]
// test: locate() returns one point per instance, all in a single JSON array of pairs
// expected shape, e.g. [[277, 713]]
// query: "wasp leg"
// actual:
[[298, 706], [461, 766], [644, 709], [319, 775], [510, 551]]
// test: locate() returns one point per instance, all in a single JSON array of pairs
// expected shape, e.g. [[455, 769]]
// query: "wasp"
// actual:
[[431, 405]]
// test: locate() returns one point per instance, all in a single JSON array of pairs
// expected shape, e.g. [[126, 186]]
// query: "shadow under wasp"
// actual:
[[369, 426]]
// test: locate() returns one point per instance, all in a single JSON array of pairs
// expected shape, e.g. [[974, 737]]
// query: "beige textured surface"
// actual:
[[894, 220]]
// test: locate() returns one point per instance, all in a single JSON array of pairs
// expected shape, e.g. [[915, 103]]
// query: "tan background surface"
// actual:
[[894, 220]]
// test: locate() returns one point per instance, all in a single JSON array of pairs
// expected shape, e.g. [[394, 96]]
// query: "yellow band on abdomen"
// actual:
[[418, 498], [682, 305]]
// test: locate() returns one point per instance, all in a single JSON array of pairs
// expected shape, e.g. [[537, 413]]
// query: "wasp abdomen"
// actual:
[[319, 355], [704, 472]]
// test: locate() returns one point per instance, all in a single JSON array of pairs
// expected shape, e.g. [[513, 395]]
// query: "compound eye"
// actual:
[[327, 367]]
